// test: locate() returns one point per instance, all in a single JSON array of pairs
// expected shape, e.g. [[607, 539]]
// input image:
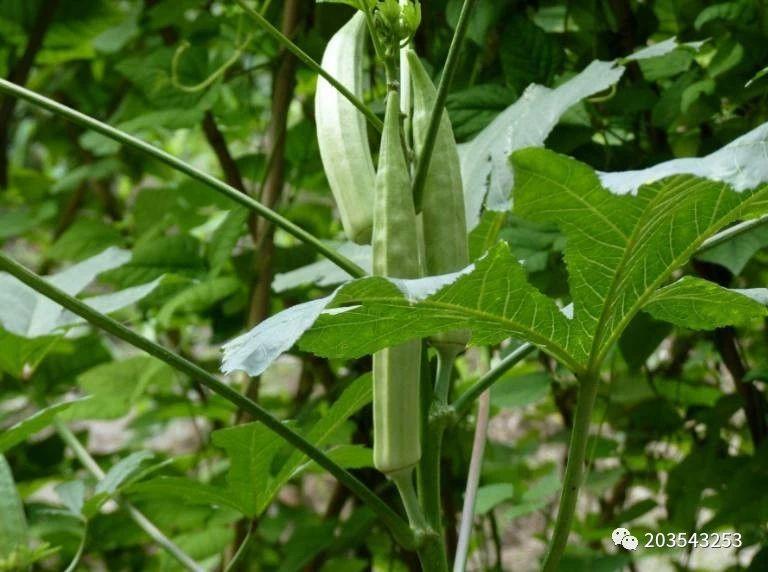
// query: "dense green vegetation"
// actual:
[[159, 163]]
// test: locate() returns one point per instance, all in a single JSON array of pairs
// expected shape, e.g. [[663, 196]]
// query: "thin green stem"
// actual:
[[242, 549], [432, 554], [425, 158], [312, 64], [446, 355], [372, 29], [464, 402], [83, 120], [399, 528], [428, 474], [80, 551], [136, 515], [574, 471], [404, 482]]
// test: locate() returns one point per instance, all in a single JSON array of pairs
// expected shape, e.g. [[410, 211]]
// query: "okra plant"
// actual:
[[460, 246]]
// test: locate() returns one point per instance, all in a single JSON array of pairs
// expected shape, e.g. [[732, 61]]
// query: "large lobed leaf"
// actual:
[[621, 249], [492, 297], [702, 305]]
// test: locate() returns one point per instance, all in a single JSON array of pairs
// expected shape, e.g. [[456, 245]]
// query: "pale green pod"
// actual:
[[342, 132], [443, 212], [396, 370]]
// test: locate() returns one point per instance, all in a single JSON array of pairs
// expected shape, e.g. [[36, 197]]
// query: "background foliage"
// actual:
[[682, 439]]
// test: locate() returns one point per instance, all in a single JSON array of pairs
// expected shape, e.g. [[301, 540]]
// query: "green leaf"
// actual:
[[186, 490], [472, 109], [255, 473], [490, 496], [225, 238], [115, 479], [735, 253], [528, 54], [620, 249], [155, 257], [701, 305], [538, 495], [198, 297], [123, 470], [306, 541], [13, 523], [20, 431], [18, 354], [116, 386], [493, 300], [353, 3], [355, 397], [26, 313], [251, 449], [86, 237], [72, 495], [514, 391]]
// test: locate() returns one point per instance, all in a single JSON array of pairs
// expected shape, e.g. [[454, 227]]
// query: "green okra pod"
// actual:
[[342, 131], [443, 211], [396, 370]]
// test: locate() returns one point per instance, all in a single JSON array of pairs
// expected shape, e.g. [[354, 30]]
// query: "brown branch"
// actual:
[[727, 344], [282, 94], [219, 145], [283, 87], [19, 74]]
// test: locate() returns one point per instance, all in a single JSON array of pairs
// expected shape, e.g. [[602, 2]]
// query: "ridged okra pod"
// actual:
[[342, 131], [443, 212], [396, 370]]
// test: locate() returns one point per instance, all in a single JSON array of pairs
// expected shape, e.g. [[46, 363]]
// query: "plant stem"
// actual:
[[446, 355], [377, 48], [404, 482], [574, 471], [432, 553], [399, 528], [179, 165], [422, 164], [473, 480], [428, 474], [464, 402], [138, 517], [312, 64]]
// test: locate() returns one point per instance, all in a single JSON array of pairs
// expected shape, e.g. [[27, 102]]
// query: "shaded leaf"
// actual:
[[31, 425], [621, 248], [701, 305], [490, 496], [13, 522]]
